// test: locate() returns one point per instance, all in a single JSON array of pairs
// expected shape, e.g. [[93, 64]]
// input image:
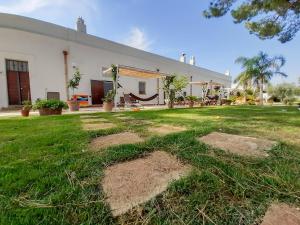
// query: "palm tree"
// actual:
[[261, 68], [244, 80]]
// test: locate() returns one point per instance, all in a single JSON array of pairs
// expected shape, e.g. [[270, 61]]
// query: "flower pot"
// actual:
[[48, 112], [25, 112], [73, 105], [191, 104], [108, 106]]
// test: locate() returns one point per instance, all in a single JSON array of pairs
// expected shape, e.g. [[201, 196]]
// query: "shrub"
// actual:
[[191, 98], [289, 100], [27, 105], [50, 104], [109, 97]]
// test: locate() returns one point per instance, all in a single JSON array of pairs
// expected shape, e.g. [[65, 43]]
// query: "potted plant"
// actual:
[[108, 101], [191, 100], [50, 107], [27, 106], [73, 84]]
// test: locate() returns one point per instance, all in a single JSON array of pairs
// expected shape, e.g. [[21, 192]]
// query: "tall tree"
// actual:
[[265, 18], [261, 69], [244, 80]]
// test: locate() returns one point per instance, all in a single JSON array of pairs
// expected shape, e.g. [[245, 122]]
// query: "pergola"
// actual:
[[205, 86], [136, 73]]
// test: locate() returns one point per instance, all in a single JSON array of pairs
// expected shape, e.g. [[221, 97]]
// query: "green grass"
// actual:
[[49, 176]]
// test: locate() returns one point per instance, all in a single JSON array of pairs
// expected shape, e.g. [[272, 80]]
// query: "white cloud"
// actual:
[[138, 39], [27, 6]]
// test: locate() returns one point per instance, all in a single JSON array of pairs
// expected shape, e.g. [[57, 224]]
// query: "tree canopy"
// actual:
[[265, 18], [260, 69]]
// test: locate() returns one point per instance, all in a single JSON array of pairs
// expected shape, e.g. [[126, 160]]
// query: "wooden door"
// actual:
[[18, 84], [13, 88], [108, 86], [97, 89], [24, 86]]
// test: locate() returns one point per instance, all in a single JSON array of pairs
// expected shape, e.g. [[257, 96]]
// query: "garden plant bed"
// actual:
[[241, 145], [115, 139], [97, 126], [282, 214], [166, 129], [131, 183]]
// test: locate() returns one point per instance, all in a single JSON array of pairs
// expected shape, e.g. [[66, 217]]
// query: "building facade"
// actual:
[[36, 59]]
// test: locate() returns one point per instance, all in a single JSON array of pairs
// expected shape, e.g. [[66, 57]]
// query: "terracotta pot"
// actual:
[[25, 112], [48, 112], [191, 104], [108, 106], [73, 105]]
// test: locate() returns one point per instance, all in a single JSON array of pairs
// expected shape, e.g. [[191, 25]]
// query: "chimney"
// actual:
[[193, 61], [183, 58], [81, 27], [227, 72]]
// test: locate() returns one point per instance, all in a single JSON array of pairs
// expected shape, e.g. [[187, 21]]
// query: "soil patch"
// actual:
[[131, 183], [93, 120], [166, 129], [88, 116], [241, 145], [281, 214], [115, 139], [97, 126]]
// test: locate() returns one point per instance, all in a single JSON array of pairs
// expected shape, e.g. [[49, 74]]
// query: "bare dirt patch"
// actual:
[[115, 139], [131, 183], [93, 120], [88, 116], [97, 126], [166, 129], [281, 214], [241, 145]]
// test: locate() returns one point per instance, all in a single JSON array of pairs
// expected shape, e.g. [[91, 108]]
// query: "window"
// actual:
[[142, 88], [53, 95], [18, 66]]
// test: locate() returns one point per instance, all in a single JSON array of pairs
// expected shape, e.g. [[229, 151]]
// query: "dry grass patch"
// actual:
[[241, 145], [97, 126], [166, 129], [93, 120], [131, 183], [115, 139], [88, 116], [282, 214]]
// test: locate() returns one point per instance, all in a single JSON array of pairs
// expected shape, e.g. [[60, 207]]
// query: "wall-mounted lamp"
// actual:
[[74, 66]]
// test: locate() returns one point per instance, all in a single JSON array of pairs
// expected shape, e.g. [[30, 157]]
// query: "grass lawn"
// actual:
[[48, 174]]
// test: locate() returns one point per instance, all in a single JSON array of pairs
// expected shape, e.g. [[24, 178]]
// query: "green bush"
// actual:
[[289, 100], [27, 105], [50, 104], [191, 98], [109, 97]]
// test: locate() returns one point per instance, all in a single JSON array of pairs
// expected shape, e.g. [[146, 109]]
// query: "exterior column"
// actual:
[[66, 73], [157, 85], [191, 86]]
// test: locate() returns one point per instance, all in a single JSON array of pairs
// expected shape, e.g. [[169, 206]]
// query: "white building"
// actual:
[[36, 59]]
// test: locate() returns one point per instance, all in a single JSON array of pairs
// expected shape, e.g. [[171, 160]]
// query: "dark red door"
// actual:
[[18, 84], [97, 89], [13, 88], [24, 86]]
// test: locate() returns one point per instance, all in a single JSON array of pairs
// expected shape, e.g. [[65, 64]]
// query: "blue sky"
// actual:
[[166, 27]]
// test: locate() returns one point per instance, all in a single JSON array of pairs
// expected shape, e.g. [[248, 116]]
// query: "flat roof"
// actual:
[[52, 30]]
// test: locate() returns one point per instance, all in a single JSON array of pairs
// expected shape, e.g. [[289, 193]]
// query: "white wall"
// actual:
[[42, 44]]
